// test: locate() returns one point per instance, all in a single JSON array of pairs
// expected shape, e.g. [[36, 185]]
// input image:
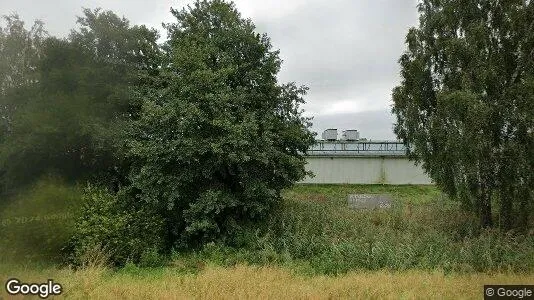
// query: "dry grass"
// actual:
[[246, 282]]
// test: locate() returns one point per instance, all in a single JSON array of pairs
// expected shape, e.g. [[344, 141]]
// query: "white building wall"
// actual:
[[364, 170]]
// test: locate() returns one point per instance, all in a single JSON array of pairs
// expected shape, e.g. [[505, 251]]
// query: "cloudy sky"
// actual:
[[346, 51]]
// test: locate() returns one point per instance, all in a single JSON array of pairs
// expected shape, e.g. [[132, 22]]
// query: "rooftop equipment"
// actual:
[[350, 135], [330, 134]]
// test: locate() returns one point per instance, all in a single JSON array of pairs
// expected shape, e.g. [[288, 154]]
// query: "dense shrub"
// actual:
[[117, 231], [325, 237]]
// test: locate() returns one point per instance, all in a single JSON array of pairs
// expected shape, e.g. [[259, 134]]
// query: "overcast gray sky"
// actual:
[[346, 51]]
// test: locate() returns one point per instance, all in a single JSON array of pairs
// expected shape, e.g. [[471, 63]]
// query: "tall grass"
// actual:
[[315, 232], [424, 247], [250, 282]]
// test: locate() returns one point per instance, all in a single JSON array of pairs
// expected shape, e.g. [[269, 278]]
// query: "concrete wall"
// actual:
[[364, 170]]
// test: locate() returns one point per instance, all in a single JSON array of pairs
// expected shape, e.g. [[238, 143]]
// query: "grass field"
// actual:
[[424, 247], [268, 282]]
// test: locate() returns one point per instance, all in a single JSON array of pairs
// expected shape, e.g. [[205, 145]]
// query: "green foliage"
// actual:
[[36, 225], [109, 228], [20, 50], [192, 140], [151, 258], [216, 145], [465, 107], [315, 233], [67, 114]]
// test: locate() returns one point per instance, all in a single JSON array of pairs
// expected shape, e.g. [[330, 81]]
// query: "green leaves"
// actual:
[[195, 136], [457, 108], [67, 112], [115, 229], [215, 148]]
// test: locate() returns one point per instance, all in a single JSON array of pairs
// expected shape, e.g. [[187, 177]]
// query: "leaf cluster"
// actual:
[[465, 107]]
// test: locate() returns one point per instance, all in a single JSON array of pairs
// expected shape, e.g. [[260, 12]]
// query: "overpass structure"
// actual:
[[362, 162], [358, 148]]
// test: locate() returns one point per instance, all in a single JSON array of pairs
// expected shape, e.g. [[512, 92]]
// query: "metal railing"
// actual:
[[357, 148]]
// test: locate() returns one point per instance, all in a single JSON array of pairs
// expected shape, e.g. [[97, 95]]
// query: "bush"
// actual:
[[326, 237], [36, 224], [122, 230]]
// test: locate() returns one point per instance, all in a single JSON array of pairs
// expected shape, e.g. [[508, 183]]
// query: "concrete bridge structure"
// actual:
[[362, 162]]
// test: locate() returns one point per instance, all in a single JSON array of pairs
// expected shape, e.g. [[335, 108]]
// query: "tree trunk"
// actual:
[[486, 220]]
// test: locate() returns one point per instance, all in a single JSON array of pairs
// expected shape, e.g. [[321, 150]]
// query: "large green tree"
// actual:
[[214, 147], [465, 107], [20, 52], [64, 101]]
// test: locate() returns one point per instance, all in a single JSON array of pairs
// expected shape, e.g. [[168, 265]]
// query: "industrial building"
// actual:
[[352, 160]]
